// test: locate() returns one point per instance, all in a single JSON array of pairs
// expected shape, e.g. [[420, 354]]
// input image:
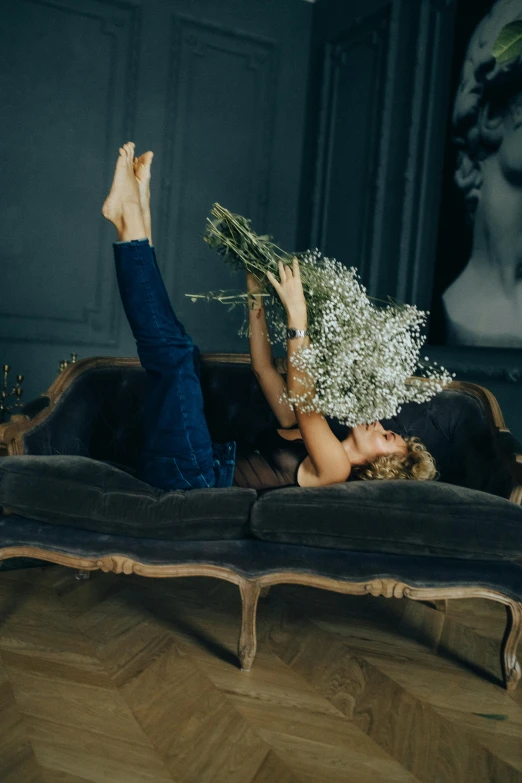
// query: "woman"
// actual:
[[177, 452]]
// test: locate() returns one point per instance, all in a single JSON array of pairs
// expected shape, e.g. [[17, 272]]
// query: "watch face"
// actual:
[[291, 333]]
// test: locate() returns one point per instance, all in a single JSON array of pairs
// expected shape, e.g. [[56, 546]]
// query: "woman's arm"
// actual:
[[330, 461], [270, 380]]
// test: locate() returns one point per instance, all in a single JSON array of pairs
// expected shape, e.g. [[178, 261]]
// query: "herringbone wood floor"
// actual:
[[124, 679]]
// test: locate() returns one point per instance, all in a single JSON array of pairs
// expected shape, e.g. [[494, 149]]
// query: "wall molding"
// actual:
[[192, 38], [374, 32], [98, 324], [425, 160]]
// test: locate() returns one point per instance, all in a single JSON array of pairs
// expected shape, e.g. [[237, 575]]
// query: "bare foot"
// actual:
[[122, 206], [142, 173]]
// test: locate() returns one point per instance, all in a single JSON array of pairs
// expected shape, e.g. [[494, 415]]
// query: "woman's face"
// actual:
[[372, 441]]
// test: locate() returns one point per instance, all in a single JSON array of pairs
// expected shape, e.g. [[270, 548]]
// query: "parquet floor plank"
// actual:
[[316, 761], [119, 679], [283, 707], [56, 776], [271, 771], [78, 596], [198, 733], [322, 747], [18, 762], [391, 643], [43, 575], [489, 714], [364, 683], [274, 687], [62, 691], [97, 758]]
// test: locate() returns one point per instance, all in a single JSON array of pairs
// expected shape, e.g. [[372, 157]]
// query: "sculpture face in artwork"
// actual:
[[483, 306]]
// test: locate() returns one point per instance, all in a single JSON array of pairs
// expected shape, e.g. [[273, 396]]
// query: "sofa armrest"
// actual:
[[42, 410], [516, 491]]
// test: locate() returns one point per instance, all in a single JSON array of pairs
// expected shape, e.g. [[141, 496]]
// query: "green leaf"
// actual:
[[509, 42]]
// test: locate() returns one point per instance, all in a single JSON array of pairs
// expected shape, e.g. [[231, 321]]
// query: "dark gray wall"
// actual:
[[380, 90], [216, 88], [325, 123]]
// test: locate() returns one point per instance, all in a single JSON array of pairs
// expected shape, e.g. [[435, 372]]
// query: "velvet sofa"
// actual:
[[69, 495]]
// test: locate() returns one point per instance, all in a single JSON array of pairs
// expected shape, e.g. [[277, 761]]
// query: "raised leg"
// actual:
[[142, 173], [122, 206], [177, 451], [247, 639], [508, 651]]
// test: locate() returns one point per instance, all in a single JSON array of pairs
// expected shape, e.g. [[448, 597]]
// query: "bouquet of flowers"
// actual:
[[363, 353]]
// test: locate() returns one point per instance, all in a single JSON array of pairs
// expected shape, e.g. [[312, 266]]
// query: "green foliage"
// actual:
[[232, 237], [508, 45]]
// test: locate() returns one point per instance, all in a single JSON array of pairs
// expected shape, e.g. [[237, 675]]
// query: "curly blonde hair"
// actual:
[[417, 464]]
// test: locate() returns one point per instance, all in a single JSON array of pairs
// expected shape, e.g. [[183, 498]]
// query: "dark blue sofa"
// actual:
[[69, 495]]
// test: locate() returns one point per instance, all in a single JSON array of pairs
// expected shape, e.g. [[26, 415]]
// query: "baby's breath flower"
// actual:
[[362, 355]]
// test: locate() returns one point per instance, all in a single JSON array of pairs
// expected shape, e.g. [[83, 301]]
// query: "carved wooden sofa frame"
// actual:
[[251, 589]]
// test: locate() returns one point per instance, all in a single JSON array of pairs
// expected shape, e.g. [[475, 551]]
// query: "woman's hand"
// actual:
[[290, 291]]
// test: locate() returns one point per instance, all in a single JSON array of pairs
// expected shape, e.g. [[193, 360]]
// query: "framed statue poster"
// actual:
[[477, 292]]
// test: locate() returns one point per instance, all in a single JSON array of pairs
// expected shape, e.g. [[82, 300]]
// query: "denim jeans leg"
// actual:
[[177, 451]]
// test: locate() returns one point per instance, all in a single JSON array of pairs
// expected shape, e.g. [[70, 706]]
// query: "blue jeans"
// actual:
[[177, 451]]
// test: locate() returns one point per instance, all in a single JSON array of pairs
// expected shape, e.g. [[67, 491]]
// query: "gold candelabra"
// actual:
[[10, 399], [65, 362]]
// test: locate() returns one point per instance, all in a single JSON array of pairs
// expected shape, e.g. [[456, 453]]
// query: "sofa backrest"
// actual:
[[457, 430], [99, 415]]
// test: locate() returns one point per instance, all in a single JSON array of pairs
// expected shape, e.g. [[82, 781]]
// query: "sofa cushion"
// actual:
[[85, 493], [398, 517]]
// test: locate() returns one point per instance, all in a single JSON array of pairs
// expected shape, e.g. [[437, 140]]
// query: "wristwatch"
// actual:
[[291, 333]]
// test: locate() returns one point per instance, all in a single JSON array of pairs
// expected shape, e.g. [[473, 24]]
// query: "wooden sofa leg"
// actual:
[[510, 665], [247, 639]]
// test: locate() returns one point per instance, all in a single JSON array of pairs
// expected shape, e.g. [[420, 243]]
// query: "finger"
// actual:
[[282, 272], [272, 279], [297, 271]]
